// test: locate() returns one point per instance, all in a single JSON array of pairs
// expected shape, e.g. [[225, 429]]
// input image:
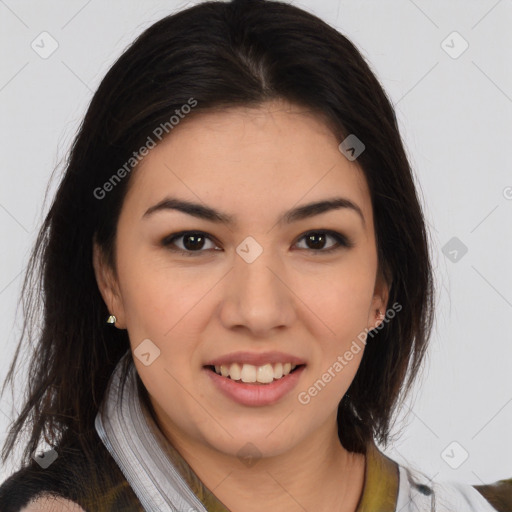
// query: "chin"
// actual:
[[249, 439]]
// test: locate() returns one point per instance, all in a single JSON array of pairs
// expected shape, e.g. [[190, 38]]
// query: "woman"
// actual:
[[236, 280]]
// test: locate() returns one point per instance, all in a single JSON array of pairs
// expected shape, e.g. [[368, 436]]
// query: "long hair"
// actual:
[[220, 54]]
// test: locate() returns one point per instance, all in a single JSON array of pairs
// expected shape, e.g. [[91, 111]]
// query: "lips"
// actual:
[[255, 379], [255, 394]]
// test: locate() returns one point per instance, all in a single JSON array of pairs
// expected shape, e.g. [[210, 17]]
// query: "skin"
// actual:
[[253, 163], [52, 504]]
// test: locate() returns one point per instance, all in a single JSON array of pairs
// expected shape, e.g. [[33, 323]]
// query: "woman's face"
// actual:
[[260, 286]]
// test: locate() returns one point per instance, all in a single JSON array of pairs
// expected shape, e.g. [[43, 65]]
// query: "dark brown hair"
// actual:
[[221, 54]]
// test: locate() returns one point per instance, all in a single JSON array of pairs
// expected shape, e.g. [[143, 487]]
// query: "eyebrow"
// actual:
[[301, 212]]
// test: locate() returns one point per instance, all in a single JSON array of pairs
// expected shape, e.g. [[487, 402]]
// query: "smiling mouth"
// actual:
[[250, 374]]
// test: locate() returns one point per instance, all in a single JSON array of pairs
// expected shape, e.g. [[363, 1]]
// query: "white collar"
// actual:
[[122, 425]]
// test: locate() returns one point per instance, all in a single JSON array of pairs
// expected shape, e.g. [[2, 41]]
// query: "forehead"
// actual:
[[249, 161]]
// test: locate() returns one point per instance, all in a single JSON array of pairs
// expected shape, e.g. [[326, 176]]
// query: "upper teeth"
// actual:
[[250, 373]]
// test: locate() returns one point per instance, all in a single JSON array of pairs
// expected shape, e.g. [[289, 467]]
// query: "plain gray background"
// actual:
[[455, 113]]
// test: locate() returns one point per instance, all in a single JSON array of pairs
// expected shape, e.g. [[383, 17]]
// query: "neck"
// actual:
[[317, 474]]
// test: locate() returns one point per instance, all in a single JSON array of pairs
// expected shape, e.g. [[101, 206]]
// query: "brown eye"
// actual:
[[316, 240], [192, 242]]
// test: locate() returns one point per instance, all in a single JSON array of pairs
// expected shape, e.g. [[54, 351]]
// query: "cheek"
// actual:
[[324, 388], [341, 304], [341, 297], [156, 297], [171, 313]]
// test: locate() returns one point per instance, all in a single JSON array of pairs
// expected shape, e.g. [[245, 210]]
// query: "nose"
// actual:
[[257, 297]]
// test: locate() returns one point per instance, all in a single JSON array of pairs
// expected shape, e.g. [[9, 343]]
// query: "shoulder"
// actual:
[[498, 494], [25, 489], [48, 503], [31, 489], [420, 492], [84, 479]]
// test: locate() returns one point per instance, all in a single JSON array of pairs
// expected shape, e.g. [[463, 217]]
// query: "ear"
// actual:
[[379, 301], [108, 286]]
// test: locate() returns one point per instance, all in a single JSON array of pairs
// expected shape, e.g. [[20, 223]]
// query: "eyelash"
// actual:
[[341, 241]]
